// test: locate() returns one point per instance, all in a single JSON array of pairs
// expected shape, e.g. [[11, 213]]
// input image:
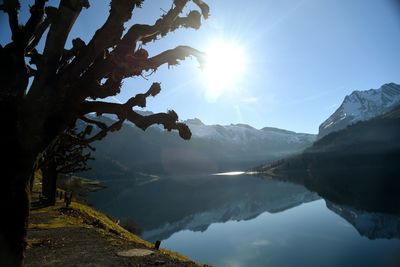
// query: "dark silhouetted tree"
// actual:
[[67, 85], [68, 153]]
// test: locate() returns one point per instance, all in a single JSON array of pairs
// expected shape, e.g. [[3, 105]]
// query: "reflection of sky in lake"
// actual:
[[307, 235]]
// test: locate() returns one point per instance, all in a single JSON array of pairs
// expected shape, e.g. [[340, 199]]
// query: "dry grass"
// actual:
[[81, 215]]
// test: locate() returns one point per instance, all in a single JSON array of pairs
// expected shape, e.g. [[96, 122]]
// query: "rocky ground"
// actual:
[[81, 236]]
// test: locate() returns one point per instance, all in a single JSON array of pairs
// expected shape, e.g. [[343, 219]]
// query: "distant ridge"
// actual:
[[212, 148]]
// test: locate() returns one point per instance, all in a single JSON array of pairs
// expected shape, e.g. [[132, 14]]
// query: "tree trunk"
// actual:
[[28, 126], [14, 205], [49, 183], [20, 149]]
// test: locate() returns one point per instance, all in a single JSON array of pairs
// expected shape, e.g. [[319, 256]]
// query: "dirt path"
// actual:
[[81, 236]]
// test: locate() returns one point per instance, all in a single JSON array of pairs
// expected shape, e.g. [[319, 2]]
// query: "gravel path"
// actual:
[[84, 244]]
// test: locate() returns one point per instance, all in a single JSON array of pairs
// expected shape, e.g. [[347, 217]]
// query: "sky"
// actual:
[[298, 59]]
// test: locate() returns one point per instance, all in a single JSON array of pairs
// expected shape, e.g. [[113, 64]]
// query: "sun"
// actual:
[[224, 68]]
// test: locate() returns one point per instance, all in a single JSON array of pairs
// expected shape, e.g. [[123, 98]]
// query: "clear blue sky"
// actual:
[[303, 57]]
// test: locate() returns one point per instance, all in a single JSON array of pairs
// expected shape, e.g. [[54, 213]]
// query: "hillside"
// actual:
[[357, 166]]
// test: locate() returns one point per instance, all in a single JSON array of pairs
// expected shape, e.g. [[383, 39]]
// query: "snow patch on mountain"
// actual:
[[234, 141], [361, 106], [235, 134], [244, 134]]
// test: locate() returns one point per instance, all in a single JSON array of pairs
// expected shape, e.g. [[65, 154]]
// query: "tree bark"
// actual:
[[14, 204], [20, 147], [49, 183]]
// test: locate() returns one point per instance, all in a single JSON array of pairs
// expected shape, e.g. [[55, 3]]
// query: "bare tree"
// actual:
[[67, 84], [68, 153]]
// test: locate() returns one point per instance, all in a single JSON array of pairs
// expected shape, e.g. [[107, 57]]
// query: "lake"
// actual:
[[242, 220]]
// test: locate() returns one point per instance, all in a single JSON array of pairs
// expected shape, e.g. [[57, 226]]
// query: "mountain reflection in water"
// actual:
[[247, 221]]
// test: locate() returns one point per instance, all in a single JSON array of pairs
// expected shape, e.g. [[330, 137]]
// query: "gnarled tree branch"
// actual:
[[124, 51], [137, 32], [107, 35], [68, 11], [12, 7], [99, 124], [125, 112], [37, 14], [51, 17], [133, 66], [169, 121]]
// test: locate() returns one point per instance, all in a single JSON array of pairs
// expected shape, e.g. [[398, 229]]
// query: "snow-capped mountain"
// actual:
[[244, 134], [212, 148], [239, 134], [361, 106]]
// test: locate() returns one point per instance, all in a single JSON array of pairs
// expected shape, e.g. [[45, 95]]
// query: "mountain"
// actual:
[[244, 134], [251, 141], [362, 106], [212, 148], [356, 166]]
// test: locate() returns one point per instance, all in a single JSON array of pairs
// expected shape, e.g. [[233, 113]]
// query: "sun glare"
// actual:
[[224, 67]]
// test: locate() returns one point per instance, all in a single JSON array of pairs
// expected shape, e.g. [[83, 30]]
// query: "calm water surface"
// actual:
[[247, 221]]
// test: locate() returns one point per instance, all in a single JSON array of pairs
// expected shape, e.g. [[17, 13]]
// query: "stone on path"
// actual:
[[135, 252]]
